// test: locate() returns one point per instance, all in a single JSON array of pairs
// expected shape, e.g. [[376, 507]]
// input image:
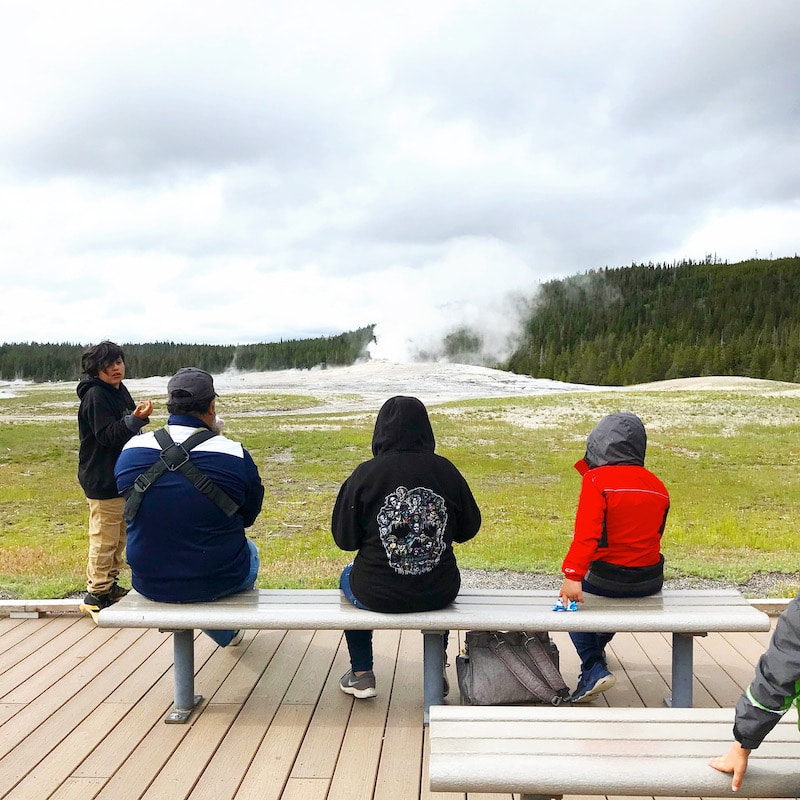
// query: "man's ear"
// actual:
[[212, 407]]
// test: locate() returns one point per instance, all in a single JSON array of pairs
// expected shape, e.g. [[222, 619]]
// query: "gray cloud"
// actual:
[[269, 170]]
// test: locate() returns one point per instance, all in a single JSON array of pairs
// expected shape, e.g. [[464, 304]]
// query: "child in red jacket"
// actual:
[[616, 546]]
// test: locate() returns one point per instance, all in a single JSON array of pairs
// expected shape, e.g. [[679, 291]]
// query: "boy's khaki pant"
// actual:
[[107, 537]]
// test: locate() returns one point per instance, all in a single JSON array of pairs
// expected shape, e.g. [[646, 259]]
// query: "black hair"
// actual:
[[181, 402], [100, 356]]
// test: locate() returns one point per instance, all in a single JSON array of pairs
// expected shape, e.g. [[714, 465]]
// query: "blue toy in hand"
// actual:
[[559, 606]]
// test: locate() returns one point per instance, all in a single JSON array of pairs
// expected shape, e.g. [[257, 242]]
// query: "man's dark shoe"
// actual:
[[93, 604], [117, 592]]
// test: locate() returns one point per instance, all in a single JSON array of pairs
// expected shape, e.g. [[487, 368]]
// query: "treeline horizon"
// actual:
[[652, 322], [607, 327], [42, 362]]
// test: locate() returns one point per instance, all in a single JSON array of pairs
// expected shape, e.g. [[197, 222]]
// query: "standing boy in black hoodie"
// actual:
[[401, 510], [107, 418]]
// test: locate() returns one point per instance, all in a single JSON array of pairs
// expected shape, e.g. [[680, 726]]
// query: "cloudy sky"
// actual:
[[239, 171]]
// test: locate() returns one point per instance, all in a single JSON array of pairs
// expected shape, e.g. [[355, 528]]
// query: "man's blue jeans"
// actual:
[[223, 638]]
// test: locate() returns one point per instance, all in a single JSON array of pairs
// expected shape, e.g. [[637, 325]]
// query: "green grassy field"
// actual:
[[729, 458]]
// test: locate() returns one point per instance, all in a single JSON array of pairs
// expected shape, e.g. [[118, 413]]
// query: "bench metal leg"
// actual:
[[540, 797], [433, 669], [183, 675], [682, 671]]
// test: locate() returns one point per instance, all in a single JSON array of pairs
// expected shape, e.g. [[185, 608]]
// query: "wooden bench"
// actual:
[[544, 752], [684, 613]]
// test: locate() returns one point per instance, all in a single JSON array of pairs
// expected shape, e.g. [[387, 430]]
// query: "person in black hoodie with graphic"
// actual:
[[401, 510], [107, 418]]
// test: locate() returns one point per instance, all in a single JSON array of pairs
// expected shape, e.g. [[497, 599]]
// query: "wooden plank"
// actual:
[[82, 644], [402, 741], [55, 768], [222, 776], [320, 748], [30, 640], [67, 711], [155, 678], [723, 689], [146, 757], [644, 684], [194, 755], [306, 789], [32, 732], [357, 767], [77, 789], [15, 636], [268, 772]]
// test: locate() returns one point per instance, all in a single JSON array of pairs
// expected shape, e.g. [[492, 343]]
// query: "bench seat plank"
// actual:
[[289, 609], [545, 751]]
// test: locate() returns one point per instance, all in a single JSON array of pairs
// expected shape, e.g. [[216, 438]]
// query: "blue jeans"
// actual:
[[591, 646], [223, 638], [359, 643]]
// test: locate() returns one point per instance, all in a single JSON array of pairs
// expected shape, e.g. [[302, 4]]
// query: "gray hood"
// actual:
[[616, 439]]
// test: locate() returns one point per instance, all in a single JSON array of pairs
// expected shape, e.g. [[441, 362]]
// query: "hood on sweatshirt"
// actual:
[[403, 424], [86, 382], [617, 439]]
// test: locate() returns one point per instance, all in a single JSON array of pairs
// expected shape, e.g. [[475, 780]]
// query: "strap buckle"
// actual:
[[174, 457], [142, 483]]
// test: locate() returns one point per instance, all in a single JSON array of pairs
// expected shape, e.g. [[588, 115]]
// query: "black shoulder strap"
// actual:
[[174, 457]]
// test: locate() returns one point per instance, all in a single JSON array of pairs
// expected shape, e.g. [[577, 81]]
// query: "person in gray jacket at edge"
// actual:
[[775, 687]]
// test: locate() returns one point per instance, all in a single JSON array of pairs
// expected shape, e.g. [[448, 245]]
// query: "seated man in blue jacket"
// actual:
[[186, 523]]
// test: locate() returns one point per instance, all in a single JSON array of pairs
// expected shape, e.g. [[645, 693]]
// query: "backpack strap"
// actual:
[[175, 457], [550, 690], [541, 655]]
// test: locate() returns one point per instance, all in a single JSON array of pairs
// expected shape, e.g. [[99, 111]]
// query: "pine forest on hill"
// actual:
[[622, 326], [61, 362], [654, 322]]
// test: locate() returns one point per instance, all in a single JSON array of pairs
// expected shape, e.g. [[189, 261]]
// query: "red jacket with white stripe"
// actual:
[[621, 515]]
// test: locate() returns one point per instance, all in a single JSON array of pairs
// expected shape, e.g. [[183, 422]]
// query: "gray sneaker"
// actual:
[[360, 686]]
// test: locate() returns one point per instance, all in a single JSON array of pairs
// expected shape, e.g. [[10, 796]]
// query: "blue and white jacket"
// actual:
[[181, 547]]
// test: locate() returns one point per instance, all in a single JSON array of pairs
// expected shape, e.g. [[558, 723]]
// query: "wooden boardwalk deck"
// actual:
[[82, 708]]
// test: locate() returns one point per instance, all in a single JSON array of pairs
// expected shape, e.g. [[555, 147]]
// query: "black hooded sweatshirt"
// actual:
[[402, 510], [105, 423]]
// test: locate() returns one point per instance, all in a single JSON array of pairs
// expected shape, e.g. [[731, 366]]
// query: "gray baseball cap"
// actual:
[[191, 382]]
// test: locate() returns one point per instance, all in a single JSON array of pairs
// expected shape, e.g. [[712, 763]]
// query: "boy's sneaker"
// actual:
[[592, 683], [360, 686], [117, 592], [93, 604]]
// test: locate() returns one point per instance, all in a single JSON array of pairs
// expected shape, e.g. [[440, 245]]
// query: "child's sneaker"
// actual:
[[360, 686], [592, 683], [117, 592], [93, 604]]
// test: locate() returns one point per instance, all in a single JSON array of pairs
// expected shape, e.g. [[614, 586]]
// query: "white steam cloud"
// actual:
[[468, 307]]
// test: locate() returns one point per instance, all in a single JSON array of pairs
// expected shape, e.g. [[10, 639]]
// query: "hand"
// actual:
[[735, 761], [144, 409], [571, 590]]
